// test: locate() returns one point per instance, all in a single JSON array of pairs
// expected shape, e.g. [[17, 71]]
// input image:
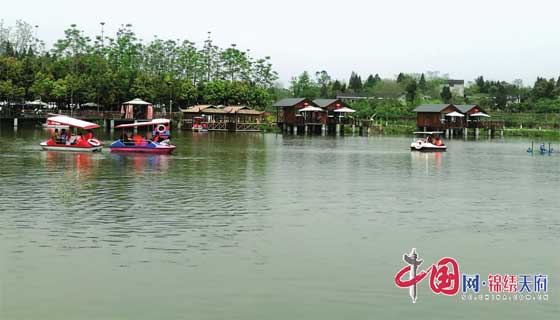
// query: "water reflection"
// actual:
[[426, 160], [254, 210], [139, 163], [81, 166]]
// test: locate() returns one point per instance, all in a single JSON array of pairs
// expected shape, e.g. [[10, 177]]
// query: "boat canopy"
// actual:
[[143, 124], [69, 121]]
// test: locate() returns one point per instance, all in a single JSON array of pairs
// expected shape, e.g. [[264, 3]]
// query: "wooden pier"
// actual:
[[109, 119]]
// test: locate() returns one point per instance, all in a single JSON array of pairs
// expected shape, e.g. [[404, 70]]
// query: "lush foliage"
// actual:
[[395, 98], [110, 70]]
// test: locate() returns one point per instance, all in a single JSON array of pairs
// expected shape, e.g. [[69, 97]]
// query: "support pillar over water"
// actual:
[[295, 130], [447, 133], [306, 129], [465, 132], [476, 132], [337, 129], [15, 122], [353, 129]]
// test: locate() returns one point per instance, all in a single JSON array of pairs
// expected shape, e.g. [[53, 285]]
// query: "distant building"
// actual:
[[457, 87], [353, 98], [222, 118], [431, 117]]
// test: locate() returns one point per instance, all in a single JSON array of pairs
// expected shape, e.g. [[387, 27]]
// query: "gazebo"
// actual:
[[137, 109], [222, 118]]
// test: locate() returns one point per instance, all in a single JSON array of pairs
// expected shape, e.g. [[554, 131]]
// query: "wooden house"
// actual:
[[222, 118], [287, 115], [431, 117], [243, 118], [329, 105]]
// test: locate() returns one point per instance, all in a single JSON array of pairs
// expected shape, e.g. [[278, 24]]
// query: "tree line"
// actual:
[[396, 97], [110, 70]]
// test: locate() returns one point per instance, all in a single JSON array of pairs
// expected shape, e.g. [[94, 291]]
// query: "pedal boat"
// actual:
[[428, 141], [160, 144], [76, 143]]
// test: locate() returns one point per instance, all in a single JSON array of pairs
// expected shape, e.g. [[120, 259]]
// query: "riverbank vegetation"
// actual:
[[109, 70], [395, 98]]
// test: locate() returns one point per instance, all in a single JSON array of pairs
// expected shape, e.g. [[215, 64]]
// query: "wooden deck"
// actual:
[[225, 126]]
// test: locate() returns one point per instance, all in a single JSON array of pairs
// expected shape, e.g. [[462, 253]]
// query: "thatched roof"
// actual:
[[203, 108], [242, 110]]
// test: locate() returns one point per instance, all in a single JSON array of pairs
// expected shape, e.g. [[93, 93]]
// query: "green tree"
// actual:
[[501, 95], [304, 86], [324, 82], [370, 82], [411, 89], [355, 82], [446, 95], [422, 84], [337, 86], [544, 89], [481, 84], [387, 89]]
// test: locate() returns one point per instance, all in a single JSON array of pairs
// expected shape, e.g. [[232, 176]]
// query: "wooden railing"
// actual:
[[218, 126], [247, 127], [81, 114]]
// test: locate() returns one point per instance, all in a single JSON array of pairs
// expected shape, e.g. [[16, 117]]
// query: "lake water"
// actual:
[[265, 226]]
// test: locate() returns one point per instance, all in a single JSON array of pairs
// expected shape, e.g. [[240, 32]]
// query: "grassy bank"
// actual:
[[533, 133]]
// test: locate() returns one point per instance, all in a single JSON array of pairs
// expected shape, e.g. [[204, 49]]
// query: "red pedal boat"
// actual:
[[64, 140]]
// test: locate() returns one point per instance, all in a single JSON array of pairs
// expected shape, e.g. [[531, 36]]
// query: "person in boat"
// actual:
[[156, 138], [89, 135], [149, 136], [55, 136], [437, 142], [429, 139], [125, 137], [63, 136], [81, 136], [138, 140]]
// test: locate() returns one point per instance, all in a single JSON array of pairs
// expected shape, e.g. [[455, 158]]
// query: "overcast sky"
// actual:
[[499, 39]]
